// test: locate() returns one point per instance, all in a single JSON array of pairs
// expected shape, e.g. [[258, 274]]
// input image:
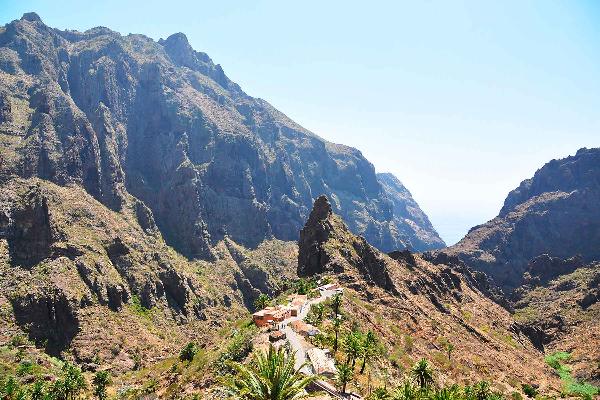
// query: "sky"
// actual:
[[460, 100]]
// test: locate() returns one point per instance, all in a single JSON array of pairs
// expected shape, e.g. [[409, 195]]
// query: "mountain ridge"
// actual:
[[160, 121]]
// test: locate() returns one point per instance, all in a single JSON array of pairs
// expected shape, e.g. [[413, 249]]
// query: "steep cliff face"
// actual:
[[124, 115], [555, 213], [426, 301], [411, 223]]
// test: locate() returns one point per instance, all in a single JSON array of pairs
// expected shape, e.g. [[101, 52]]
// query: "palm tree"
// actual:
[[482, 390], [101, 381], [345, 373], [337, 324], [336, 304], [380, 393], [447, 393], [422, 373], [319, 310], [406, 392], [449, 349], [353, 347], [271, 376], [261, 301], [369, 348]]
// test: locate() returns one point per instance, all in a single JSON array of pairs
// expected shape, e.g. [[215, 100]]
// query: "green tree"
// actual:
[[38, 391], [337, 325], [336, 305], [262, 301], [271, 376], [345, 374], [353, 347], [70, 385], [12, 390], [422, 373], [406, 392], [188, 352], [380, 393], [304, 286], [447, 393], [449, 349], [101, 381], [315, 314], [482, 390], [370, 347]]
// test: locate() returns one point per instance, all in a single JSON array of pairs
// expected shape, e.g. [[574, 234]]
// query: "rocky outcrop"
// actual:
[[29, 232], [50, 318], [544, 268], [554, 213], [326, 245], [125, 115]]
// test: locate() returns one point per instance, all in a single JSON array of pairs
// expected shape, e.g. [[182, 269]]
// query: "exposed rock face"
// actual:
[[553, 213], [326, 245], [124, 115], [411, 223]]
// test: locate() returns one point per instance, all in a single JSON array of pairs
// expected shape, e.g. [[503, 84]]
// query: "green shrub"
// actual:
[[101, 381], [188, 352], [138, 308], [237, 350], [25, 368], [529, 390]]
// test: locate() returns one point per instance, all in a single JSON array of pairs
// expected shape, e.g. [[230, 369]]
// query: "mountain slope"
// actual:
[[87, 283], [553, 213], [416, 306], [412, 224], [125, 115]]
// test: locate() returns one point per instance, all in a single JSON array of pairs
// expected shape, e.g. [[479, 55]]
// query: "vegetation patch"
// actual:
[[571, 386]]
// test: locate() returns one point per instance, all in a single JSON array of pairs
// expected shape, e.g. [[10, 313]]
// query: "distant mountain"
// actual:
[[555, 213], [125, 115], [411, 223]]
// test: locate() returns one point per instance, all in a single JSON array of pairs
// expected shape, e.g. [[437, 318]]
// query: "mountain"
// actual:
[[555, 213], [544, 249], [90, 284], [127, 116], [417, 305], [412, 224]]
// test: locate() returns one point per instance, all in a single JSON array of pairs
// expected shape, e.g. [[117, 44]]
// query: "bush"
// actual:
[[529, 390], [188, 352], [237, 350], [25, 368], [101, 381]]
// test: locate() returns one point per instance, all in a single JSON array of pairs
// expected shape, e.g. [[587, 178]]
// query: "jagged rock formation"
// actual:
[[553, 213], [125, 115], [421, 299], [411, 223], [316, 254]]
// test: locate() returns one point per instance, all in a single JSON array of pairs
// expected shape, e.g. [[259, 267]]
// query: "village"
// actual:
[[285, 326]]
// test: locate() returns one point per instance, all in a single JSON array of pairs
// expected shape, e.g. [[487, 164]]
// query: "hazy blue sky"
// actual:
[[461, 100]]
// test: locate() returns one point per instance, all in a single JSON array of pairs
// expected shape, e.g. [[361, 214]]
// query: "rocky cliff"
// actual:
[[411, 223], [126, 115], [554, 213]]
